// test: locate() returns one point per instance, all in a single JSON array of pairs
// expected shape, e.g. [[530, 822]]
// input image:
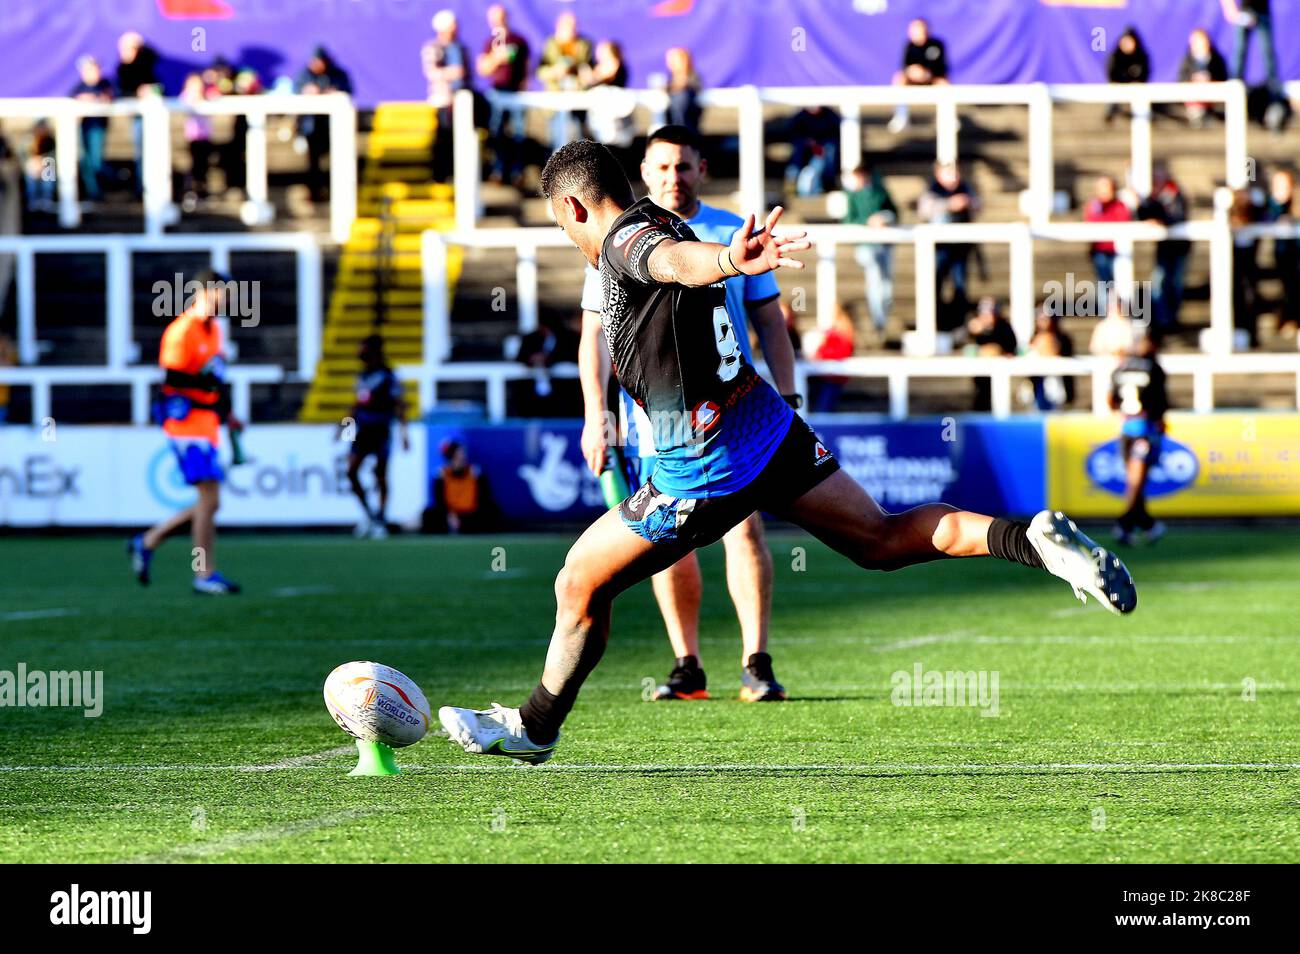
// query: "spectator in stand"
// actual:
[[553, 342], [1201, 64], [925, 63], [870, 204], [564, 58], [1105, 206], [947, 199], [987, 334], [1054, 391], [446, 67], [92, 88], [683, 89], [835, 343], [610, 118], [232, 156], [137, 77], [1286, 252], [219, 78], [38, 169], [1167, 206], [1248, 16], [198, 134], [608, 68], [1129, 63], [1112, 336], [320, 77], [1245, 265], [814, 134], [504, 64]]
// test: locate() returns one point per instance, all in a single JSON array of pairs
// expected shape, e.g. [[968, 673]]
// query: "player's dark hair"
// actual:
[[678, 136], [210, 276], [588, 170]]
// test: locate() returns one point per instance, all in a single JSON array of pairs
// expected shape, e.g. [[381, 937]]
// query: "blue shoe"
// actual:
[[141, 556], [214, 584]]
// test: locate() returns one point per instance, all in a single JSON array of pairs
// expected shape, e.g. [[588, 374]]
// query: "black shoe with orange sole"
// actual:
[[686, 682]]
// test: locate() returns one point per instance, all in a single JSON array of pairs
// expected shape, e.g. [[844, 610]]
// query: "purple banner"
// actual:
[[765, 42]]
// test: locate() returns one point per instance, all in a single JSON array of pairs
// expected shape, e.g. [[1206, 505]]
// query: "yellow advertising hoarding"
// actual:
[[1211, 465]]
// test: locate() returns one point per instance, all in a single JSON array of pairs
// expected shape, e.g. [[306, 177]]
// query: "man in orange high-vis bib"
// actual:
[[195, 402]]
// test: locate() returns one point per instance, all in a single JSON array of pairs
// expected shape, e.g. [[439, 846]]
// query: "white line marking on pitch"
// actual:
[[245, 839], [17, 615], [302, 591], [300, 760], [928, 640], [1044, 767]]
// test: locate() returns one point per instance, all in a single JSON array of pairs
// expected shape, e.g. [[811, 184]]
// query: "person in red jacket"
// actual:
[[834, 344], [1105, 206]]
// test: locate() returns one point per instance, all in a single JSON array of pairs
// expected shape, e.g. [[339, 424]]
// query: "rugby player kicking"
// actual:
[[728, 446], [673, 170]]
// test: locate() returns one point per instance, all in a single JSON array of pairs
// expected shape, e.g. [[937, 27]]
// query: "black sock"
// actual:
[[1009, 540], [686, 662], [543, 714]]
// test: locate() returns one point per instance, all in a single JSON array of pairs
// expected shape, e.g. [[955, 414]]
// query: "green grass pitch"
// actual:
[[1117, 740]]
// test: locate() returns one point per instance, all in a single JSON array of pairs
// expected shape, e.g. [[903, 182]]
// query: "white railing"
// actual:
[[899, 373], [1019, 237], [118, 250], [156, 152], [1036, 201], [43, 380]]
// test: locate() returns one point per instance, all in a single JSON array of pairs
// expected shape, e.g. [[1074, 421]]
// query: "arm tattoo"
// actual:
[[663, 262]]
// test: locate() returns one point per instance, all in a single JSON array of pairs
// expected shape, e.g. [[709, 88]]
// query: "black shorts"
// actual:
[[373, 439], [1143, 448], [800, 463]]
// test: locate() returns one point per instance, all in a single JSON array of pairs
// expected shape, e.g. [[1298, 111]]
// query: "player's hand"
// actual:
[[754, 253], [593, 444], [234, 423]]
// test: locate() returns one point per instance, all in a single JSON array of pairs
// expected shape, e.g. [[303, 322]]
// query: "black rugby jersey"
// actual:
[[675, 351]]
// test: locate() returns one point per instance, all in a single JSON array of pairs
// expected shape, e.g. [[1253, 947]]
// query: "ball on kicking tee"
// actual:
[[376, 703]]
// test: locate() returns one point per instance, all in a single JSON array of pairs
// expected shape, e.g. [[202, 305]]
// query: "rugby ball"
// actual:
[[376, 703]]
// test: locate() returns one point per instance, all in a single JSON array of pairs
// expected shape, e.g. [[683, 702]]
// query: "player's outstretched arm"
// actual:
[[753, 253], [704, 263]]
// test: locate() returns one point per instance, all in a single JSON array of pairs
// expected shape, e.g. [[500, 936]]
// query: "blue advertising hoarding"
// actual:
[[537, 473]]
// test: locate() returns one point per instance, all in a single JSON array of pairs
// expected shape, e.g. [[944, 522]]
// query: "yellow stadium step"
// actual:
[[377, 172], [403, 323], [407, 190], [380, 264], [350, 298], [403, 115]]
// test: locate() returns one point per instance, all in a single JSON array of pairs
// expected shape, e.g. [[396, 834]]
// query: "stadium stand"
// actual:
[[376, 275]]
